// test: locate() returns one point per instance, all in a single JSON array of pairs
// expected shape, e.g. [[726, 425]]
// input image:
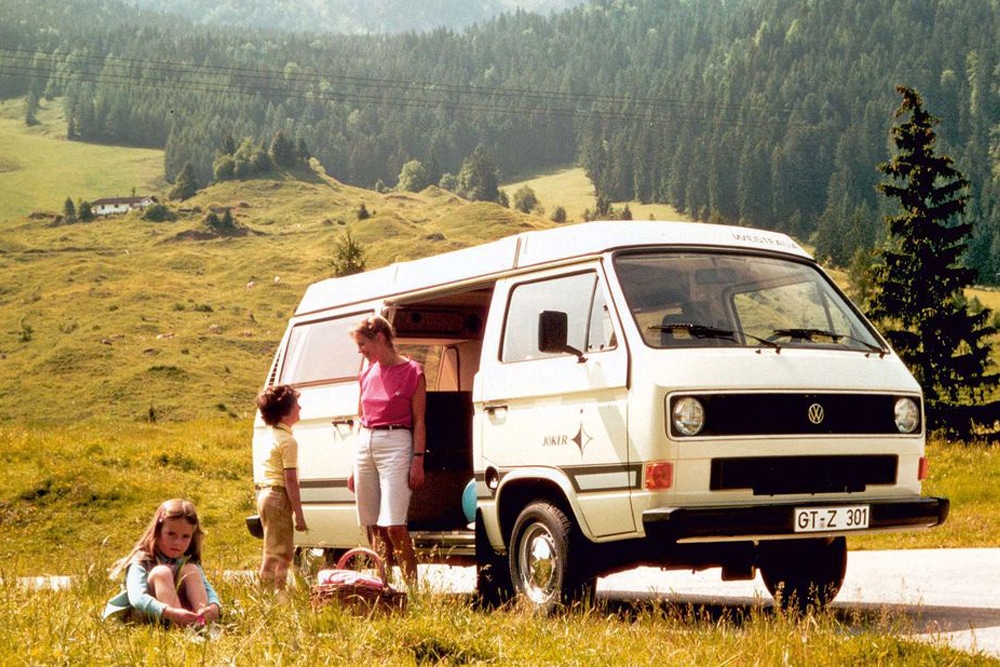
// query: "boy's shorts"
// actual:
[[275, 510]]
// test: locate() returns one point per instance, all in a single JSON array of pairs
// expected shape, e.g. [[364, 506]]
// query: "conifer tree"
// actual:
[[186, 184], [479, 178], [349, 256], [918, 283], [69, 210]]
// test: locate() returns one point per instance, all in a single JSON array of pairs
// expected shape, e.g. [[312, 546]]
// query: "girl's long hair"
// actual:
[[144, 551]]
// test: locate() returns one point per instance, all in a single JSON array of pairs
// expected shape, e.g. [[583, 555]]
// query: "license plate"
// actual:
[[816, 519]]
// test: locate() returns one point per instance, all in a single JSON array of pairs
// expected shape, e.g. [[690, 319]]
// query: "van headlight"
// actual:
[[688, 415], [907, 414]]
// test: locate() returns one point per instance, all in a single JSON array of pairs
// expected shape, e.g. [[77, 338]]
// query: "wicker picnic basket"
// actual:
[[353, 586]]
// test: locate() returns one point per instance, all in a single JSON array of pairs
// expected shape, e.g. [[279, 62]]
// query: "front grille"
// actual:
[[770, 476], [789, 414]]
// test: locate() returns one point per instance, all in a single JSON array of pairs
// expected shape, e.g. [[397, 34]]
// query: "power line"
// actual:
[[176, 76]]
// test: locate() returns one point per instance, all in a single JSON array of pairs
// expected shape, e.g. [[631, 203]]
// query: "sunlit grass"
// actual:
[[39, 168], [571, 189], [63, 627]]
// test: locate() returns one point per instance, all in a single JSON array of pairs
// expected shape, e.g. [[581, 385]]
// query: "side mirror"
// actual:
[[552, 333]]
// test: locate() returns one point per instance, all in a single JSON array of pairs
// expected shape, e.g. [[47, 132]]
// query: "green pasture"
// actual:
[[571, 189], [39, 168]]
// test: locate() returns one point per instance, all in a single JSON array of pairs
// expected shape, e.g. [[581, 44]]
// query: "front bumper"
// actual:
[[776, 520]]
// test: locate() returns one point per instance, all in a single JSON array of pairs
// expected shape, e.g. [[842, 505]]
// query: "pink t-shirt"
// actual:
[[386, 392]]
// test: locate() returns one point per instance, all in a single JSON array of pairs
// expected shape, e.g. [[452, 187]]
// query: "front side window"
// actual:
[[704, 299], [579, 296], [321, 351]]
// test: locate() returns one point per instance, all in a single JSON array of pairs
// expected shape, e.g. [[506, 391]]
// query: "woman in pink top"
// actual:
[[389, 462]]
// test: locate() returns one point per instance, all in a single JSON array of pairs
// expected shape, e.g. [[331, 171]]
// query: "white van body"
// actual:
[[621, 393]]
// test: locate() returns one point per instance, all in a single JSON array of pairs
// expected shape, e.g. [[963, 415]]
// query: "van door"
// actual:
[[322, 362], [555, 411]]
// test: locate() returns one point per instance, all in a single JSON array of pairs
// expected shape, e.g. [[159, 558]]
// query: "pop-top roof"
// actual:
[[530, 249]]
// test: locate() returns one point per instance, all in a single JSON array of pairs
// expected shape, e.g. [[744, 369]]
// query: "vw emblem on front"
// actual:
[[816, 414]]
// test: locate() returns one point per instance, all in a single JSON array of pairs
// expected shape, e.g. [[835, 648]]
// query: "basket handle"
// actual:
[[362, 554]]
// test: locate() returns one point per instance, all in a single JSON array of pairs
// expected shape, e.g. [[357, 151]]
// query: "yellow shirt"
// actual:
[[284, 454]]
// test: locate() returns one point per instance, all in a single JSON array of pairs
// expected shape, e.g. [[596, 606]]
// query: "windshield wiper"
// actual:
[[811, 335], [703, 331]]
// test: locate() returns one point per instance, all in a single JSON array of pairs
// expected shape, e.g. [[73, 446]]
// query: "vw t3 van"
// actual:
[[614, 394]]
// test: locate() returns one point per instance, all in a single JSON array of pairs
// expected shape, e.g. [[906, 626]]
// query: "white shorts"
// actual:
[[382, 477]]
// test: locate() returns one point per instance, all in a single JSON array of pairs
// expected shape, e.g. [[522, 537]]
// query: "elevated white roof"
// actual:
[[530, 249]]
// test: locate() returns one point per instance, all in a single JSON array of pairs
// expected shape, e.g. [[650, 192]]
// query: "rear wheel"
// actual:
[[799, 573], [547, 559]]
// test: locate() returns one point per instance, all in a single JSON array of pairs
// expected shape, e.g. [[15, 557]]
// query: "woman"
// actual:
[[390, 459]]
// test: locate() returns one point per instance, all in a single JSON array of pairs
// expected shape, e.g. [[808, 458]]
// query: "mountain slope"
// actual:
[[349, 16]]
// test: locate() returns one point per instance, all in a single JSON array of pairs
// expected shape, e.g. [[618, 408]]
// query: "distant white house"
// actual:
[[111, 205]]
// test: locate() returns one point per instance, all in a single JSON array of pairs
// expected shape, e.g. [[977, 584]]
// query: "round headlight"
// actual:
[[688, 415], [907, 415]]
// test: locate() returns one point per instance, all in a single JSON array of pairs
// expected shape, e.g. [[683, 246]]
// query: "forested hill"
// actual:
[[766, 112], [349, 16]]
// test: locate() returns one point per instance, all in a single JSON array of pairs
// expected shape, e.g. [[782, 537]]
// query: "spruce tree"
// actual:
[[919, 282], [479, 178], [186, 184]]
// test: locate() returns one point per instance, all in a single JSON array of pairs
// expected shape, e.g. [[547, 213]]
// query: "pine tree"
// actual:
[[479, 178], [69, 210], [349, 256], [918, 284], [186, 184]]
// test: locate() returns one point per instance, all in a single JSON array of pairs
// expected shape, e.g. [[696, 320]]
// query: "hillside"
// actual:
[[126, 317], [349, 16], [761, 112]]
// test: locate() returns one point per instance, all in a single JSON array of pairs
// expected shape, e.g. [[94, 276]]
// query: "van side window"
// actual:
[[579, 296], [321, 351]]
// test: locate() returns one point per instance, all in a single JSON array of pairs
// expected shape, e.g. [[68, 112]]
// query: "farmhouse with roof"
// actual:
[[111, 205]]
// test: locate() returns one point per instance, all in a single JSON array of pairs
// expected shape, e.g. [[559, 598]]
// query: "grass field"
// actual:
[[39, 169], [571, 189]]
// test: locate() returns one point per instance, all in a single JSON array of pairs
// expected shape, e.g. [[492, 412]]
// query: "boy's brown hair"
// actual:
[[276, 402]]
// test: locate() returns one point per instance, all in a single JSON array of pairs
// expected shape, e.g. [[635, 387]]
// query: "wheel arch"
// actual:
[[520, 489]]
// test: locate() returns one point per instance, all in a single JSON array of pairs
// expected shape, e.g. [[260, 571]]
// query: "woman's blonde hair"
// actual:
[[372, 326], [144, 551]]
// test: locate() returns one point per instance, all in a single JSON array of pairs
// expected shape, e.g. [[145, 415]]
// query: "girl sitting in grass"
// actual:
[[164, 580]]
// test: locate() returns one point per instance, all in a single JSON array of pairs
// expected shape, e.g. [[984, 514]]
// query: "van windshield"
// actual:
[[706, 299]]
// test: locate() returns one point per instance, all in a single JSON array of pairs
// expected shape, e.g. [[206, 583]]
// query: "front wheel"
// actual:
[[803, 572], [547, 559]]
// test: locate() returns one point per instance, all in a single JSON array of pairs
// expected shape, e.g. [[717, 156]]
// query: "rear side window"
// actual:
[[321, 351], [579, 296]]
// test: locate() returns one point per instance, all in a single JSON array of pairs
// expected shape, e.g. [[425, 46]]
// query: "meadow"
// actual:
[[131, 354]]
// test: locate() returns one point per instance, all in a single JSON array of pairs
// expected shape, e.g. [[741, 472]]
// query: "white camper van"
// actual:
[[614, 394]]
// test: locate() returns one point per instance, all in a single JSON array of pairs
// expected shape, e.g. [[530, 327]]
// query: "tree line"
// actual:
[[757, 112]]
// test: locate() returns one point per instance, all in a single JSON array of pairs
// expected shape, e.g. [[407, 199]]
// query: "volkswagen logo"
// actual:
[[816, 414]]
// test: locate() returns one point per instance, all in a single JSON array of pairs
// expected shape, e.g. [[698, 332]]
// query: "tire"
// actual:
[[493, 584], [547, 560], [803, 573]]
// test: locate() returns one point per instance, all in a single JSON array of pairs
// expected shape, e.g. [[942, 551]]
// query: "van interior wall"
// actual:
[[437, 505]]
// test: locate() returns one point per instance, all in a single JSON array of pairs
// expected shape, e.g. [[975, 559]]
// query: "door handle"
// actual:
[[492, 409]]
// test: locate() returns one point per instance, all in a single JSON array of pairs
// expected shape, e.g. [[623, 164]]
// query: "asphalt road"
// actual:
[[942, 595]]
